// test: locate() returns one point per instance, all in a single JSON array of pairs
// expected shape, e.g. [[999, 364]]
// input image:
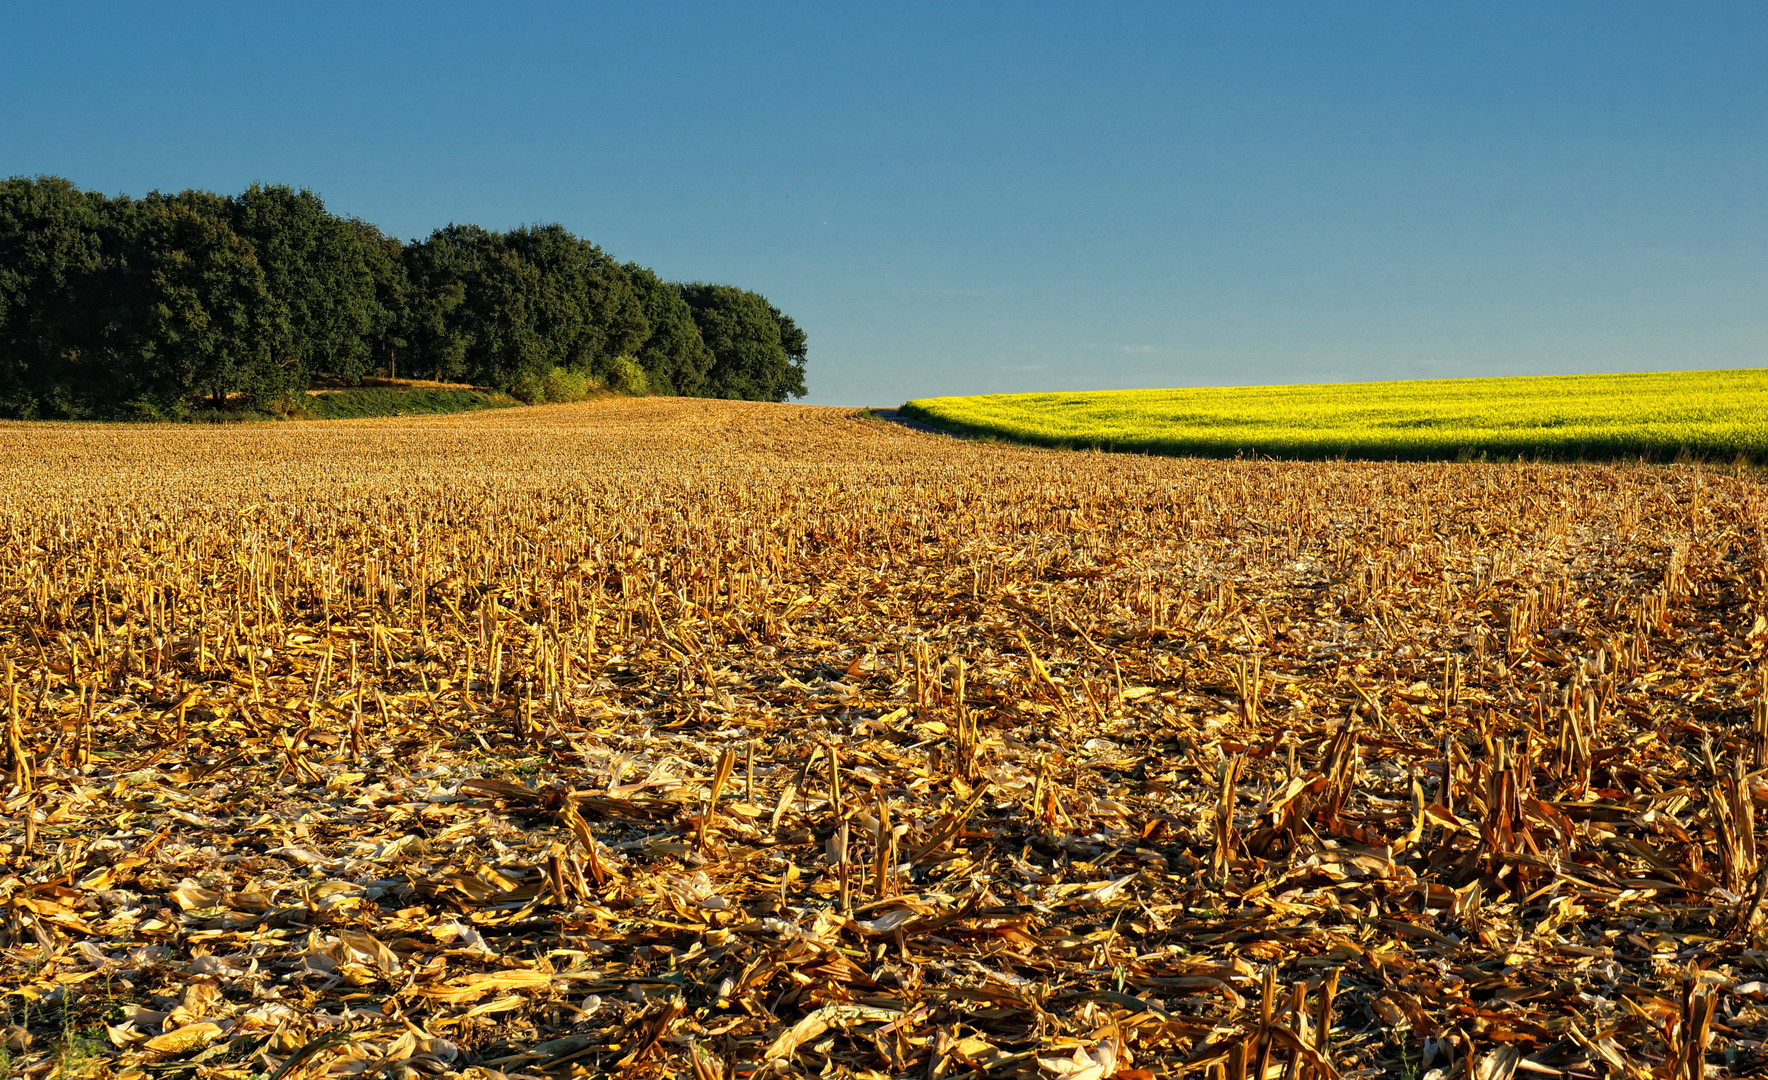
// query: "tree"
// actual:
[[384, 256], [583, 306], [56, 314], [792, 340], [116, 306], [674, 357], [438, 330], [743, 331], [503, 309], [321, 273], [207, 323]]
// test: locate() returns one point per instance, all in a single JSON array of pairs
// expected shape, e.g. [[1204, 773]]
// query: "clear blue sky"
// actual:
[[964, 198]]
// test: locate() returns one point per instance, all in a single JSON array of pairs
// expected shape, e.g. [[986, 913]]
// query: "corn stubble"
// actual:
[[689, 738]]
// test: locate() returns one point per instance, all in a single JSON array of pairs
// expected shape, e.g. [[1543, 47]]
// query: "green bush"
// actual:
[[141, 410], [286, 405], [561, 385], [625, 376], [529, 390]]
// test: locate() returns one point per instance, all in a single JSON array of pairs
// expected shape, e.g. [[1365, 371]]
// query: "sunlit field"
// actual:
[[1714, 415], [656, 737]]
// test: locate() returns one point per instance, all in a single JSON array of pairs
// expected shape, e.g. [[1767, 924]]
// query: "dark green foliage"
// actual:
[[208, 324], [58, 302], [367, 401], [384, 257], [675, 359], [456, 282], [504, 309], [792, 340], [333, 279], [155, 307], [436, 337], [744, 333], [585, 304]]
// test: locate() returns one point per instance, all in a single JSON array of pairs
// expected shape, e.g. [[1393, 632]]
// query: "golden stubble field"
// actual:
[[729, 740]]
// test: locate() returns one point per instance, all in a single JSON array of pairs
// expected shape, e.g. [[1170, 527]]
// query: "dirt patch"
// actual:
[[895, 416]]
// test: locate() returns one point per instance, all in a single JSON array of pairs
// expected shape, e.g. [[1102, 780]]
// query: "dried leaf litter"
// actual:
[[662, 738]]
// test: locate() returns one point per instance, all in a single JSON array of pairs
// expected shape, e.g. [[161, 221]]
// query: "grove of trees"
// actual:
[[112, 306]]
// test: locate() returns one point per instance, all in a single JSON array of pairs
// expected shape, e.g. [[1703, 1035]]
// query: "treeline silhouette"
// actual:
[[112, 306]]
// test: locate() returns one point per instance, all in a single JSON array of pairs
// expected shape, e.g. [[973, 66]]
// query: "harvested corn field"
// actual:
[[729, 740]]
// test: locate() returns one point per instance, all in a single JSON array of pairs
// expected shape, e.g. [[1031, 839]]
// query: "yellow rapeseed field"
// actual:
[[667, 737], [1712, 415]]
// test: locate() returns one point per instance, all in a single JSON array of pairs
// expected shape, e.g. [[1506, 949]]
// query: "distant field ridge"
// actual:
[[1659, 416]]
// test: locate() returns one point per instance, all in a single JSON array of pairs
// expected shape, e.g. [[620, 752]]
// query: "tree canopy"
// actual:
[[757, 352], [115, 306]]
